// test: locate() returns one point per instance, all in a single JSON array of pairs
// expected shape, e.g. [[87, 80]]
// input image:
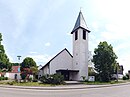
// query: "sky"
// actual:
[[41, 28]]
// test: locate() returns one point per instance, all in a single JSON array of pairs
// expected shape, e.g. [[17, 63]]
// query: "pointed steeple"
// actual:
[[80, 23]]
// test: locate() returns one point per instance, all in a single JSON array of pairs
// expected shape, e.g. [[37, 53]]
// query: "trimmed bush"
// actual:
[[52, 79]]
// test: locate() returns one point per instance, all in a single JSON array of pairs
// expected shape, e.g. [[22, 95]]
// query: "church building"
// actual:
[[72, 67]]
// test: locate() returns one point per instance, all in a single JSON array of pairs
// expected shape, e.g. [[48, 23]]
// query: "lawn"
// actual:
[[10, 82], [105, 83]]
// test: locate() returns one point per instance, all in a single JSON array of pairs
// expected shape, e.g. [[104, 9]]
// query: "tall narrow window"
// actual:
[[76, 35], [84, 34]]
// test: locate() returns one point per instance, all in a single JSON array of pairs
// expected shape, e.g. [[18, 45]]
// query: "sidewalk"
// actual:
[[64, 87]]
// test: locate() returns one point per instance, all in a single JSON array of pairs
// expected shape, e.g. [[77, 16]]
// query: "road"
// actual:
[[114, 91]]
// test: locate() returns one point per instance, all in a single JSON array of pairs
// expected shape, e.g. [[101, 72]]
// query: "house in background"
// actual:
[[14, 74], [119, 74], [72, 67]]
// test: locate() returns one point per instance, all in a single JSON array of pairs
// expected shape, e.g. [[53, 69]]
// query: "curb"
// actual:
[[66, 87]]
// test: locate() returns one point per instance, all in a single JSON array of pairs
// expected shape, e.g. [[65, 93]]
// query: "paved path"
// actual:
[[110, 91], [68, 91], [63, 87]]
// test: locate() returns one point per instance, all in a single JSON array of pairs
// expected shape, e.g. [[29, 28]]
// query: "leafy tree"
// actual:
[[104, 59], [34, 72], [4, 60], [28, 67], [28, 62]]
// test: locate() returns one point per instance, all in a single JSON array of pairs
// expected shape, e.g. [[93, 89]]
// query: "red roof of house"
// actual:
[[15, 69]]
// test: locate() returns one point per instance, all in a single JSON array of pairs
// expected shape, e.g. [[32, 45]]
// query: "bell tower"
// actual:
[[80, 48]]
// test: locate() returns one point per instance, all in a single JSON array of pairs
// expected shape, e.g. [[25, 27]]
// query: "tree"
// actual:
[[34, 71], [28, 67], [4, 60], [28, 62], [104, 58]]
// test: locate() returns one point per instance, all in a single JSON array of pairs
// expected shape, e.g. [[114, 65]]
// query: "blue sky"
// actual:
[[41, 28]]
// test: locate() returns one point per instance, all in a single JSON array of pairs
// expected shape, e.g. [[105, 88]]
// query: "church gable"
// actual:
[[63, 60]]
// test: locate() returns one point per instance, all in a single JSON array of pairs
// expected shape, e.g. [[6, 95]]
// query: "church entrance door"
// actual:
[[65, 73]]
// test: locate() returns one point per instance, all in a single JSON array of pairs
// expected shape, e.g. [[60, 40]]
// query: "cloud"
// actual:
[[33, 52], [69, 34], [10, 58], [115, 32], [47, 44], [41, 58], [122, 47], [95, 26]]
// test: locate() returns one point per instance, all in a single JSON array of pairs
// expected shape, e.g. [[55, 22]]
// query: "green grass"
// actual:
[[10, 82], [30, 84], [24, 83], [106, 83]]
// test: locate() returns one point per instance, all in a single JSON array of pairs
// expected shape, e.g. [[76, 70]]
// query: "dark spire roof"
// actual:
[[80, 23]]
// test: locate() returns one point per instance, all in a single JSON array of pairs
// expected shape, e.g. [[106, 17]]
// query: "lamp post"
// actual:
[[19, 58], [19, 62], [19, 65]]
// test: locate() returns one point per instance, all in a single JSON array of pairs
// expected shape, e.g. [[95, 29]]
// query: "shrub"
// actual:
[[35, 80], [3, 78], [52, 79], [10, 83], [127, 75], [6, 78], [124, 78]]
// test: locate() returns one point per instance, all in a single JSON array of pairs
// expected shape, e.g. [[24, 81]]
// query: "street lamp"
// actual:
[[19, 58]]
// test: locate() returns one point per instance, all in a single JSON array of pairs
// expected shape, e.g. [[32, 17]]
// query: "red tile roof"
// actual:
[[15, 69]]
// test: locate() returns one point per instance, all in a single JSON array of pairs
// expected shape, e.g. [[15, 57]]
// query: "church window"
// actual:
[[76, 35], [84, 34]]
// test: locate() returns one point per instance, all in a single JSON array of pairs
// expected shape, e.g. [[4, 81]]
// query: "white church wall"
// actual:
[[46, 70], [62, 61]]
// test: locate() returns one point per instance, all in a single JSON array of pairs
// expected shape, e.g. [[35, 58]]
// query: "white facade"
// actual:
[[62, 61], [11, 75]]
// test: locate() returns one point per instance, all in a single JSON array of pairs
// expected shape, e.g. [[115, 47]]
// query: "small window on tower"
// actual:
[[84, 34], [76, 35]]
